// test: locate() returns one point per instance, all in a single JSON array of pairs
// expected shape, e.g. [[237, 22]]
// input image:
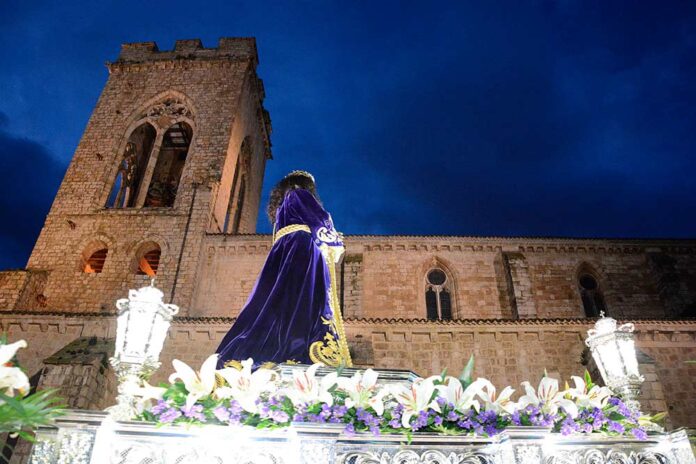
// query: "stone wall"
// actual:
[[12, 285], [507, 352], [492, 278], [222, 100]]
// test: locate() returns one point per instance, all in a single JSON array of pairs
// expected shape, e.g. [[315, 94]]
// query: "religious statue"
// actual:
[[293, 314]]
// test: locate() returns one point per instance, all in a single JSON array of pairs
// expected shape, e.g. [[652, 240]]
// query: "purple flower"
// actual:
[[515, 418], [639, 433], [394, 423], [235, 407], [170, 415], [264, 410], [438, 420], [616, 427], [279, 416], [339, 411], [325, 411], [452, 416], [568, 426], [194, 412], [349, 430], [222, 413], [159, 408]]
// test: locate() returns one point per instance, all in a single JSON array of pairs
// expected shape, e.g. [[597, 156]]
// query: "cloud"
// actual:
[[29, 182]]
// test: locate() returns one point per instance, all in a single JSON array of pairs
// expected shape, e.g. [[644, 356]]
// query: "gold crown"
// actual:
[[301, 173]]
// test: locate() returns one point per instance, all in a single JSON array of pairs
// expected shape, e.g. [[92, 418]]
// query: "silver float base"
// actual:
[[86, 437]]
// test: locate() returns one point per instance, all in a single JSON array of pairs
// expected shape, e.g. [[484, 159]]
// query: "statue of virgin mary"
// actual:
[[293, 314]]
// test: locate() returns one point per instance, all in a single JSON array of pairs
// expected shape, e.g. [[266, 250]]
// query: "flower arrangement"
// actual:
[[441, 404], [20, 411]]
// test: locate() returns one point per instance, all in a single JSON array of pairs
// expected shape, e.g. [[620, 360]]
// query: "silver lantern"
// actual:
[[614, 352], [142, 325]]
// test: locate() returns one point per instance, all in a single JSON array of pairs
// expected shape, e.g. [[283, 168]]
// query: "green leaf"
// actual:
[[18, 414], [659, 417], [588, 380], [465, 377]]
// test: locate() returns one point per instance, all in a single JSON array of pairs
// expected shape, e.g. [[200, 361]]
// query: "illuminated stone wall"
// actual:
[[384, 276], [222, 100], [507, 352]]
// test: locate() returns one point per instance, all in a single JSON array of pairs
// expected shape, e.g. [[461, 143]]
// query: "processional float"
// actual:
[[113, 436]]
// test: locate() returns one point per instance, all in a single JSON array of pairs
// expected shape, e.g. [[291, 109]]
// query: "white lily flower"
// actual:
[[306, 388], [362, 391], [245, 386], [596, 397], [12, 378], [198, 384], [463, 400], [548, 397], [144, 395], [494, 402], [415, 399]]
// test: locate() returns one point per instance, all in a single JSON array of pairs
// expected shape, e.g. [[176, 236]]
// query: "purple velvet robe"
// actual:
[[283, 315]]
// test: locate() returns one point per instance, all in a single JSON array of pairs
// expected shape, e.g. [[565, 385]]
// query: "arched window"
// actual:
[[235, 206], [148, 258], [131, 169], [591, 294], [93, 258], [438, 296], [170, 164]]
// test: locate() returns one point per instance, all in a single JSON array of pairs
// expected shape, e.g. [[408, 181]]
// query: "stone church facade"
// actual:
[[166, 182]]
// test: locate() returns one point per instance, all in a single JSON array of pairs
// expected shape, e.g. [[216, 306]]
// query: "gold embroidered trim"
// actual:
[[289, 230], [330, 351]]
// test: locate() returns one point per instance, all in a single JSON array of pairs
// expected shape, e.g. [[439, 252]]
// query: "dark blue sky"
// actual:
[[556, 118]]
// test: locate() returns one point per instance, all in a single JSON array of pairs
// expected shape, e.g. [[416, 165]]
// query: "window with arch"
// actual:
[[591, 294], [93, 258], [148, 258], [438, 296], [171, 159], [131, 169], [235, 206]]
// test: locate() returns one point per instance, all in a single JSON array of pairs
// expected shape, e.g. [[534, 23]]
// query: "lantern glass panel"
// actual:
[[611, 359], [628, 355]]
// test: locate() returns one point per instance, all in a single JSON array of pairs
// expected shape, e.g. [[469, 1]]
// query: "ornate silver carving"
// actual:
[[82, 437], [44, 452], [194, 453], [528, 454], [596, 456], [75, 447], [414, 457]]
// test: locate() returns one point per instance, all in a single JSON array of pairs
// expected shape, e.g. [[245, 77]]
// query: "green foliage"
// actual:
[[22, 415], [466, 376], [588, 380]]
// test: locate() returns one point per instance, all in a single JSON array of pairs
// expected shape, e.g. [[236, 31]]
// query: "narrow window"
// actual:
[[591, 294], [169, 167], [148, 260], [235, 205], [239, 206], [438, 296], [131, 167], [94, 264]]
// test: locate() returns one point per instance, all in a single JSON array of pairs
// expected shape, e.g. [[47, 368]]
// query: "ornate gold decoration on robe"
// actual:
[[330, 351]]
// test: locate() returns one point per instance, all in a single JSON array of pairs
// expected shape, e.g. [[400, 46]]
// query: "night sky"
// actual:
[[558, 118]]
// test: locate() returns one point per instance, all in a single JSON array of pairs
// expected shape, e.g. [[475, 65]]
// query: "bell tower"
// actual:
[[175, 149]]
